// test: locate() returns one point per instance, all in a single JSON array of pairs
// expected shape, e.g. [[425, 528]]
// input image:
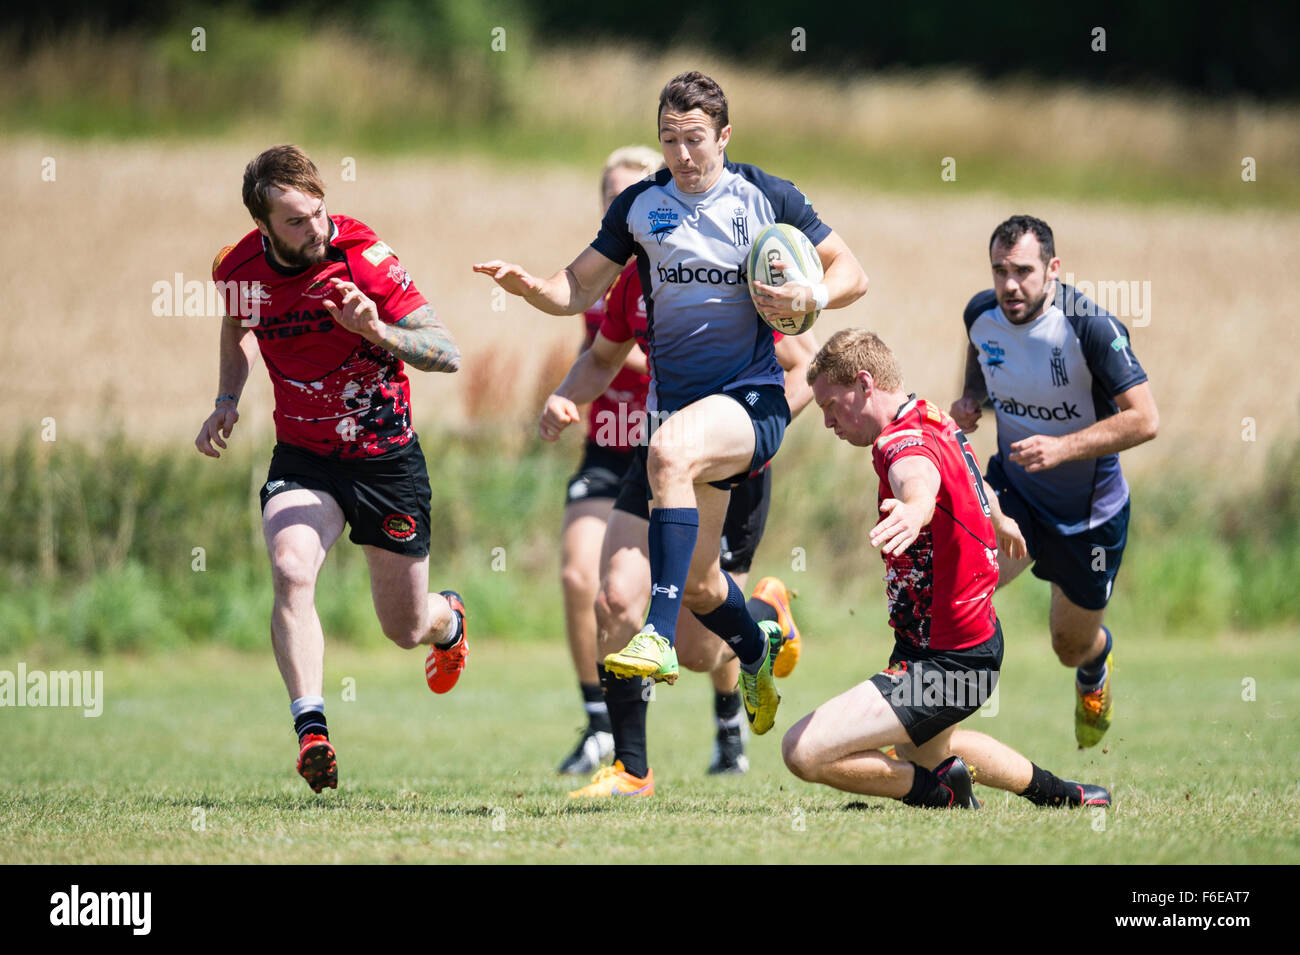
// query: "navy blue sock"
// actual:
[[732, 622], [672, 541], [1090, 674], [761, 610]]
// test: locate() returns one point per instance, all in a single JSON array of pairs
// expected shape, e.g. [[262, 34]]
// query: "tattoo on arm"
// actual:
[[974, 386], [423, 341]]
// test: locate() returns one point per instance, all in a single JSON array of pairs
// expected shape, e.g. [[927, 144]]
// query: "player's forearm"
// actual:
[[845, 281], [637, 362], [1111, 435], [562, 294], [798, 393], [917, 493], [588, 378], [237, 350], [973, 384], [422, 341]]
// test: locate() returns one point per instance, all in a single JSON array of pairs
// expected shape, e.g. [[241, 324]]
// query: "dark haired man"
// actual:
[[335, 316], [1069, 395], [717, 394]]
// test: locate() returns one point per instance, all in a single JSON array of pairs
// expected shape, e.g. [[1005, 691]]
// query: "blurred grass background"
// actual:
[[101, 556], [423, 76]]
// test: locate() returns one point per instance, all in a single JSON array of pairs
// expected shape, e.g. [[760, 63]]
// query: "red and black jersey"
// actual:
[[336, 394], [621, 310], [941, 588]]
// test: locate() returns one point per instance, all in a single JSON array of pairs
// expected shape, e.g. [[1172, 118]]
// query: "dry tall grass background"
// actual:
[[80, 342]]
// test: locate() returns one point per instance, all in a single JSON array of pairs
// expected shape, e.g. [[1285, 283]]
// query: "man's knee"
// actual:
[[293, 570], [578, 579], [1073, 646], [405, 636], [666, 464], [799, 754]]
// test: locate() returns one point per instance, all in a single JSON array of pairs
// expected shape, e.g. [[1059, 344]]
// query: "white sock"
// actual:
[[306, 703]]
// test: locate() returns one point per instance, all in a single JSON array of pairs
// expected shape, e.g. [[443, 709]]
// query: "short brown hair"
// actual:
[[1014, 229], [852, 350], [282, 167], [693, 90]]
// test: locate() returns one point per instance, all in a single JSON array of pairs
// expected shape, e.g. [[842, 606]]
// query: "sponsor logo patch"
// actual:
[[688, 274], [1065, 411], [400, 527], [377, 252], [319, 289], [399, 276]]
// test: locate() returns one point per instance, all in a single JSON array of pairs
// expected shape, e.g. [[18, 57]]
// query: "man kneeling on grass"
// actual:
[[938, 534]]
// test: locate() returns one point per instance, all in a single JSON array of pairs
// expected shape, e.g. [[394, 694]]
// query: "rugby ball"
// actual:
[[783, 242]]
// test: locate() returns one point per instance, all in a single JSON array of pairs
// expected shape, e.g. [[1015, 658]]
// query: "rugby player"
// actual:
[[717, 397], [336, 318], [625, 567], [591, 492], [938, 534], [1068, 395]]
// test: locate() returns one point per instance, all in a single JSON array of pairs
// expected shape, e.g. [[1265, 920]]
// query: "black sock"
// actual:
[[311, 721], [726, 706], [457, 631], [760, 610], [1044, 789], [627, 712], [593, 701], [927, 791]]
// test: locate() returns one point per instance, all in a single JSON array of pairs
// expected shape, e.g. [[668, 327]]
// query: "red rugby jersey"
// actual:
[[336, 394], [623, 306], [941, 588]]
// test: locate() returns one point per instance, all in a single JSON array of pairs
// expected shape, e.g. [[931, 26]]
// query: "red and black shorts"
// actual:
[[930, 690], [385, 499]]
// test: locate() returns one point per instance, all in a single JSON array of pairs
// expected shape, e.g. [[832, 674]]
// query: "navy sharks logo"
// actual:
[[995, 355], [662, 222]]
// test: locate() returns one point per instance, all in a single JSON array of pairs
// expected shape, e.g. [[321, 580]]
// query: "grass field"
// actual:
[[192, 762]]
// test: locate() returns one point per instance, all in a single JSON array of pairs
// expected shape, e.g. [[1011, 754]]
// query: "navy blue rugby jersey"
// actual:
[[1056, 375], [691, 250]]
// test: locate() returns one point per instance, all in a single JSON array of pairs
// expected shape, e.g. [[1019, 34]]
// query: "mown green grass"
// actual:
[[203, 736]]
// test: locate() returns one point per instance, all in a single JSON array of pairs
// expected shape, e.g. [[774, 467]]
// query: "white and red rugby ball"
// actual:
[[783, 242]]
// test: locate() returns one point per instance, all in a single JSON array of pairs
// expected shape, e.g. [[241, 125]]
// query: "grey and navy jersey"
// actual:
[[704, 332], [1056, 375]]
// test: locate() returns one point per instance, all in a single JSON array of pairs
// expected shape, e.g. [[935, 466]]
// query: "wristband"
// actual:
[[820, 295], [233, 399]]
